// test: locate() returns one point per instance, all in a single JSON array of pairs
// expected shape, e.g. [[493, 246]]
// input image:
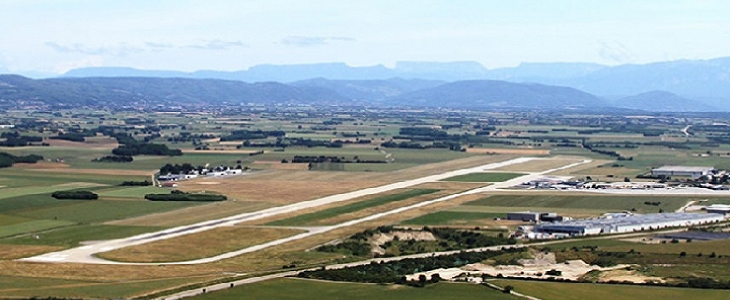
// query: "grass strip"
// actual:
[[349, 208]]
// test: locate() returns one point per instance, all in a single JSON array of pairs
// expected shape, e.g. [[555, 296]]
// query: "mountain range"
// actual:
[[685, 85]]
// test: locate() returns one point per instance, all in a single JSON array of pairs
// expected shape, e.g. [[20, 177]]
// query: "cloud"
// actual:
[[615, 52], [120, 49], [217, 45], [306, 41], [159, 45]]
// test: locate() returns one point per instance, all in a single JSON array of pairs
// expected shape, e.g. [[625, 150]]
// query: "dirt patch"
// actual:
[[519, 151], [381, 238], [627, 274]]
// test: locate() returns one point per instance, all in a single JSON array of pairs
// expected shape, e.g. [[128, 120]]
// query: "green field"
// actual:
[[484, 177], [309, 218], [594, 202], [581, 291], [294, 289], [451, 218], [72, 236]]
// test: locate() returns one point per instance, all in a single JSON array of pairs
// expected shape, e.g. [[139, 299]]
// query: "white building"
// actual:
[[694, 172]]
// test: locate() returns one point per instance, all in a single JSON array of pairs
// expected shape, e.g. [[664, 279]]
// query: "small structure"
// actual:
[[694, 172], [722, 209]]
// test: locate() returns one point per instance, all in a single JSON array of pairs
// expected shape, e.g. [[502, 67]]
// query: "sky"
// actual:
[[54, 36]]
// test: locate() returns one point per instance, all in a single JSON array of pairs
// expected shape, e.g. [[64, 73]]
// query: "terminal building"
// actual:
[[619, 223], [694, 172]]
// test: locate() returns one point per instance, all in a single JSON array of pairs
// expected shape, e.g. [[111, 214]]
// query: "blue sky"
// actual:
[[53, 36]]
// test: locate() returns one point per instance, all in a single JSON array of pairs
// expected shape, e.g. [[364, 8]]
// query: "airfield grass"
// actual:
[[85, 211], [484, 177], [89, 289], [594, 202], [188, 247], [580, 291], [349, 208], [71, 236], [452, 218], [294, 289], [31, 226]]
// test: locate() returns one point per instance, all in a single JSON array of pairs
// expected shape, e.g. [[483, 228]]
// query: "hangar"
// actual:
[[694, 172], [618, 223]]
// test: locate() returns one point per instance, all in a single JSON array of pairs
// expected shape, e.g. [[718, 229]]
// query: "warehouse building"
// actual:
[[619, 223], [718, 209], [529, 216], [694, 172]]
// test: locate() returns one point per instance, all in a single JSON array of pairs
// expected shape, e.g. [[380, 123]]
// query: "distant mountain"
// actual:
[[121, 91], [500, 94], [662, 101], [706, 81], [370, 90]]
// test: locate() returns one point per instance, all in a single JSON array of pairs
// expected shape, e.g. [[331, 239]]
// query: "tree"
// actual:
[[507, 289]]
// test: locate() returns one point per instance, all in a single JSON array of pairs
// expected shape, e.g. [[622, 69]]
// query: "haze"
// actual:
[[48, 37]]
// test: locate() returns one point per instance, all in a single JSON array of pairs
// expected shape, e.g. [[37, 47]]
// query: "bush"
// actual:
[[75, 195], [181, 196]]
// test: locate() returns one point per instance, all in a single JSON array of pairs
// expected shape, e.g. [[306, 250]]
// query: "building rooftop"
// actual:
[[683, 169]]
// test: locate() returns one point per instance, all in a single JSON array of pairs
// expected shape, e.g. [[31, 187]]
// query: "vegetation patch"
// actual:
[[75, 195], [183, 196]]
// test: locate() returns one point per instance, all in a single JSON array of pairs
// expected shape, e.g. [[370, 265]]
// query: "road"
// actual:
[[85, 254]]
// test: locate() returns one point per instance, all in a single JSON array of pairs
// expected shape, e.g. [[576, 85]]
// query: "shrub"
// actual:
[[75, 195]]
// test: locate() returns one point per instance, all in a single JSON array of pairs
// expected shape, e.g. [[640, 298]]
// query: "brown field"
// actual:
[[539, 165], [20, 251], [199, 245], [194, 214], [277, 165], [280, 186], [518, 151]]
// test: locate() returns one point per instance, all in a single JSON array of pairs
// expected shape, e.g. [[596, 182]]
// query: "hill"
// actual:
[[662, 101], [500, 94]]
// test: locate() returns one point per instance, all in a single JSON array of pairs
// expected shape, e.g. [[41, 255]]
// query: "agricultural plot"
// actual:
[[294, 289], [485, 177]]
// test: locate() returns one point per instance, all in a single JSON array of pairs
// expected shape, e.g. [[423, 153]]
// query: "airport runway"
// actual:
[[85, 254]]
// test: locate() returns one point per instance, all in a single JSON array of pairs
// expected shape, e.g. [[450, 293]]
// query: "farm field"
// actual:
[[580, 291], [294, 289]]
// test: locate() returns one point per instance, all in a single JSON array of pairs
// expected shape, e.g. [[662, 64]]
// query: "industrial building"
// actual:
[[529, 216], [694, 172], [618, 223]]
